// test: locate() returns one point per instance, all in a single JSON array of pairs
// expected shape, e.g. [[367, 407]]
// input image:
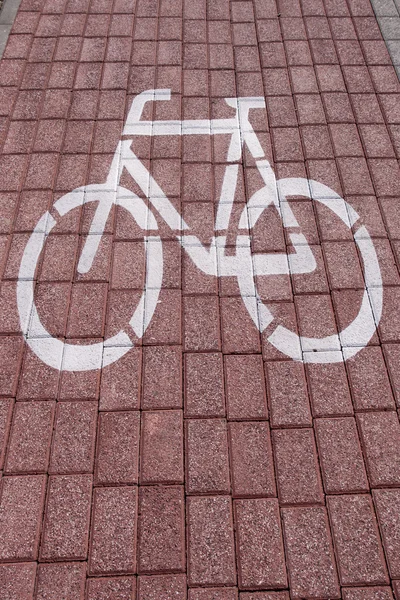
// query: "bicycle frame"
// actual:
[[212, 261]]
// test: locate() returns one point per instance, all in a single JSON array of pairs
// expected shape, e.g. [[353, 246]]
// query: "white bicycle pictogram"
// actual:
[[213, 260]]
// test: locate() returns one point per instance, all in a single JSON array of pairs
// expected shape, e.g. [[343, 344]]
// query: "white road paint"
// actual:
[[212, 260]]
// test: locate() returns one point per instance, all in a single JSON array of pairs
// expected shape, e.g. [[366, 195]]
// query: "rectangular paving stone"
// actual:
[[386, 506], [66, 521], [117, 448], [251, 459], [340, 454], [112, 545], [374, 593], [161, 534], [310, 559], [204, 388], [201, 323], [357, 542], [297, 469], [21, 508], [380, 436], [162, 447], [30, 438], [213, 594], [121, 588], [210, 553], [6, 409], [65, 579], [238, 332], [17, 581], [74, 437], [329, 390], [288, 395], [207, 456], [120, 383], [264, 595], [161, 587], [245, 388], [261, 560], [162, 377], [11, 348]]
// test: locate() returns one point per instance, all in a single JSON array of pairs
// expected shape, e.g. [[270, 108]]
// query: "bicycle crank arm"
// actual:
[[300, 262]]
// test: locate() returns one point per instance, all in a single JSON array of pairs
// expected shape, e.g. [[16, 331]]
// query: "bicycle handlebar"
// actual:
[[239, 127]]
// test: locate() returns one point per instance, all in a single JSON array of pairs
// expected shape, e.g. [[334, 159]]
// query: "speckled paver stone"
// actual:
[[199, 300]]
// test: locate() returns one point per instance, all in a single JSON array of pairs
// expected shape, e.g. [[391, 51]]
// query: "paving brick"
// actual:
[[120, 383], [346, 139], [165, 327], [337, 107], [310, 559], [207, 459], [30, 437], [376, 141], [204, 387], [339, 451], [37, 380], [368, 209], [87, 309], [357, 543], [161, 531], [161, 587], [261, 560], [297, 469], [74, 438], [251, 459], [387, 261], [264, 596], [374, 593], [338, 254], [386, 505], [389, 325], [117, 448], [111, 588], [391, 352], [315, 316], [287, 144], [162, 377], [6, 410], [162, 447], [287, 389], [211, 554], [201, 323], [66, 580], [245, 388], [369, 380], [21, 507], [380, 433], [17, 581], [213, 594], [66, 523], [238, 331], [112, 546]]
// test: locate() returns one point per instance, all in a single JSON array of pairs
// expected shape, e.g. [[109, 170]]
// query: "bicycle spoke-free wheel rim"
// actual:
[[58, 353], [348, 342]]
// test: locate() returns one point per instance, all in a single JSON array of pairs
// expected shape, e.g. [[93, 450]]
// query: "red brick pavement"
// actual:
[[205, 464]]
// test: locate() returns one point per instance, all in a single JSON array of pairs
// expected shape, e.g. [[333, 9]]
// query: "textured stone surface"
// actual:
[[206, 463]]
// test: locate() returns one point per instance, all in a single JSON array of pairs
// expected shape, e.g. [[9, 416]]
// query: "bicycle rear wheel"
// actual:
[[56, 352]]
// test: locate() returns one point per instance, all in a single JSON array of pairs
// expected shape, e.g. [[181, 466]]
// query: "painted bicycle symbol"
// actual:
[[213, 260]]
